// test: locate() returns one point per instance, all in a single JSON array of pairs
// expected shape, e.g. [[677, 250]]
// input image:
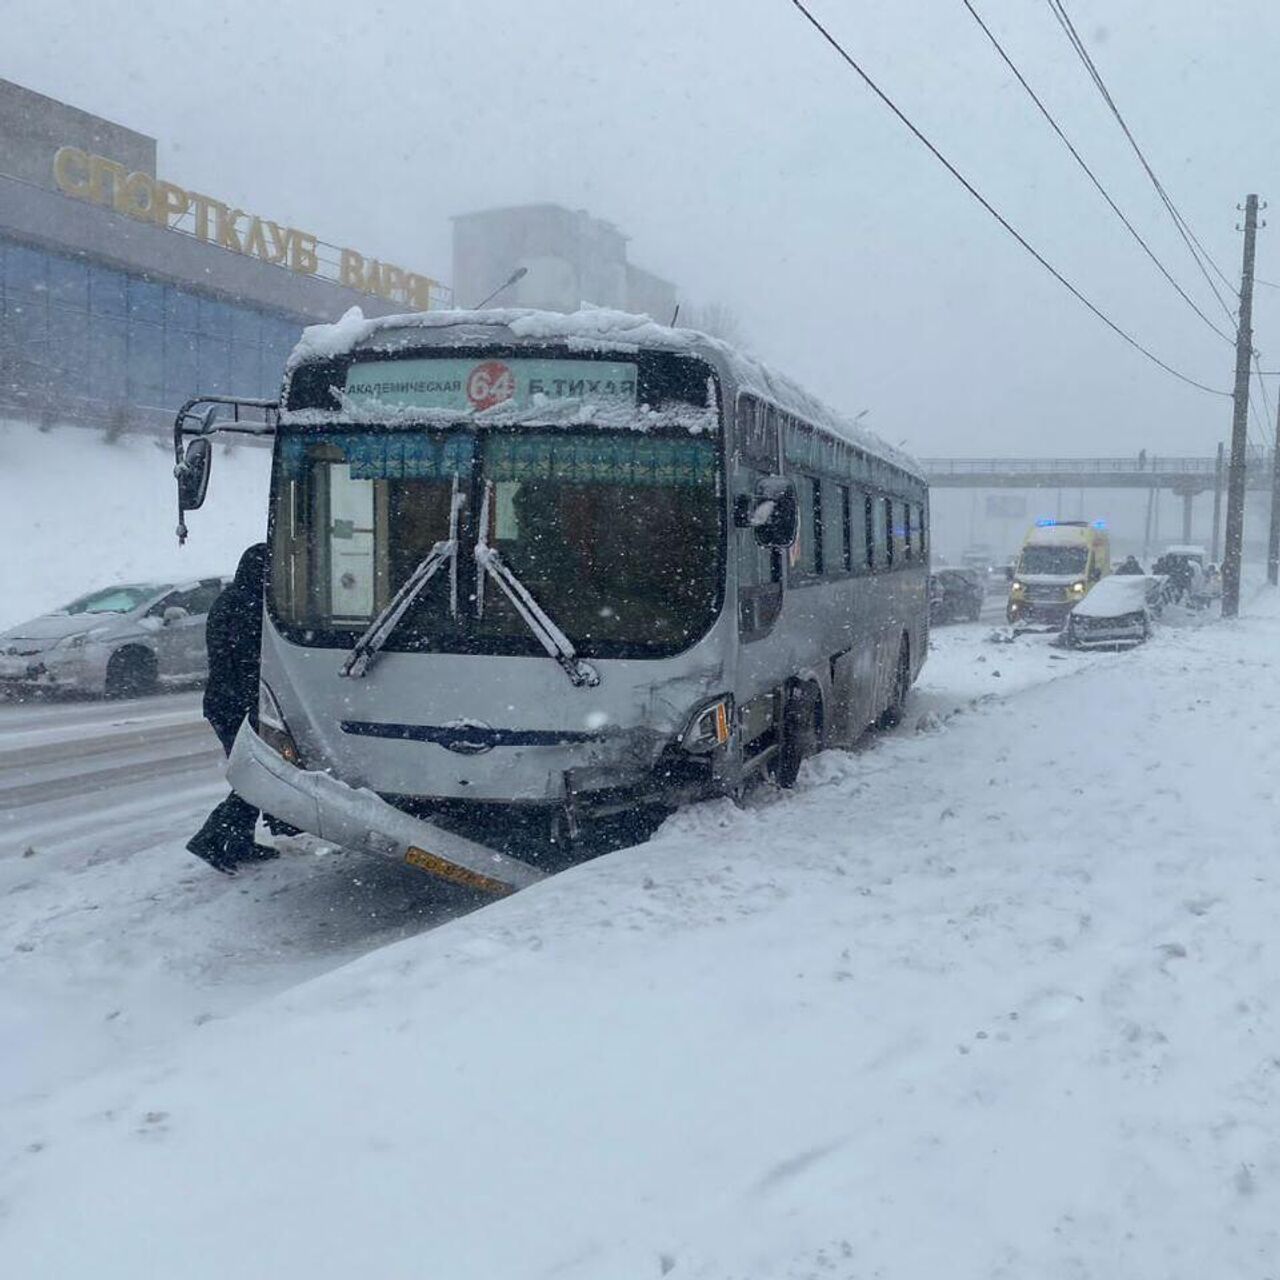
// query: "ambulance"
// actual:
[[1059, 562]]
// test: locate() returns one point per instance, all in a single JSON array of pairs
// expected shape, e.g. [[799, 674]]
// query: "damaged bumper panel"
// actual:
[[357, 819]]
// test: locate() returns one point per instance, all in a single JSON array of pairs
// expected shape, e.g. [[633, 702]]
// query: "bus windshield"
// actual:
[[616, 534], [1054, 560]]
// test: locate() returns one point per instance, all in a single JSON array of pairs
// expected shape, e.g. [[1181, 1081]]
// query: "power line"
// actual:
[[1262, 423], [1253, 438], [1267, 427], [1059, 10], [1189, 237], [1196, 249], [1262, 386], [1079, 159], [990, 208]]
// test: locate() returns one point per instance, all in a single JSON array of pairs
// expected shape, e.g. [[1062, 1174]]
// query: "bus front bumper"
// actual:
[[357, 819]]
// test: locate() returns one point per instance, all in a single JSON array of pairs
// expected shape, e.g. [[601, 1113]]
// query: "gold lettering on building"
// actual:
[[71, 172], [303, 253], [94, 178], [171, 203]]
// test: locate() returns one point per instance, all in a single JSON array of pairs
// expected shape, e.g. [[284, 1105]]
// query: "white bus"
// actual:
[[556, 568]]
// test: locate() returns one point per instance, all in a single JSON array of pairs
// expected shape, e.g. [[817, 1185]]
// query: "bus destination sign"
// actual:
[[471, 386]]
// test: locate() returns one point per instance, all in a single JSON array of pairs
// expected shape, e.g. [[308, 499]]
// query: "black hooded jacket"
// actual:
[[233, 635]]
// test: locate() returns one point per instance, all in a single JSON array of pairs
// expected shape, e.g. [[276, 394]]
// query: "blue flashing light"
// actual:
[[1045, 523], [1099, 524]]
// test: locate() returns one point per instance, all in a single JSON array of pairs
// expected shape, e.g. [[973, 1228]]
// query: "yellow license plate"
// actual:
[[446, 870]]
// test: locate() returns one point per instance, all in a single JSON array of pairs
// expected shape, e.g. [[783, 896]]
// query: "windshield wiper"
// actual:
[[379, 630], [553, 640]]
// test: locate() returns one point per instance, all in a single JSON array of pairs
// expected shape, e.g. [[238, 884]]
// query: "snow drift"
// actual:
[[998, 999], [77, 512]]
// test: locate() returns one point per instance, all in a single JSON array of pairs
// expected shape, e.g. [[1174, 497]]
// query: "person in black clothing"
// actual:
[[233, 636], [1178, 570], [1130, 566]]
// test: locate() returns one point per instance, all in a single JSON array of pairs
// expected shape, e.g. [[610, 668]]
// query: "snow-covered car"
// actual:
[[120, 641], [956, 594], [1118, 610]]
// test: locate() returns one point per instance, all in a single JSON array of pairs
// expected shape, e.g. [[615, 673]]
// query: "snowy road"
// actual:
[[111, 935], [996, 996], [108, 772]]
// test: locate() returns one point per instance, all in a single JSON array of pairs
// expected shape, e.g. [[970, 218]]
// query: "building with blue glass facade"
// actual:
[[122, 294], [77, 333]]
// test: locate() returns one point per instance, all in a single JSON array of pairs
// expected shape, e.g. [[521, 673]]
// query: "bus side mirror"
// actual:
[[775, 514], [193, 474]]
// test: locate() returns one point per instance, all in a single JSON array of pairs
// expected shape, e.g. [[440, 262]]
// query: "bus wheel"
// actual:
[[130, 673], [800, 735], [891, 716]]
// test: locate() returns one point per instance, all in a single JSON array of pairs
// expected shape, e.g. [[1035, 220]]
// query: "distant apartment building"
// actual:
[[570, 258]]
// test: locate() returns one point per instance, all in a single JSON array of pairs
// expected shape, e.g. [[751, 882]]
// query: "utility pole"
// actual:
[[1218, 469], [1240, 420], [1273, 538]]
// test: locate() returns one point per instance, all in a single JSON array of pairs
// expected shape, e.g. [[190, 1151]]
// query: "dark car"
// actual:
[[956, 595]]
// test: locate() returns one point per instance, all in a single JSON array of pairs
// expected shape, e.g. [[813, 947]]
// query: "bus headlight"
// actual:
[[1016, 587], [271, 725], [710, 726], [1077, 588]]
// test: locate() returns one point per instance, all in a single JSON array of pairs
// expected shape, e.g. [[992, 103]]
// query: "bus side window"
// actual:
[[818, 558], [888, 533], [846, 528], [833, 521], [906, 531], [759, 577], [920, 529], [869, 531], [809, 560]]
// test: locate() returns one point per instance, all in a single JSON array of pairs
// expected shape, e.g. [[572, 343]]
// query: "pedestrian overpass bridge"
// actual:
[[1185, 476]]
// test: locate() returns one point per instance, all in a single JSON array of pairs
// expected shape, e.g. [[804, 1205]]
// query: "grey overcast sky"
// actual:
[[752, 167]]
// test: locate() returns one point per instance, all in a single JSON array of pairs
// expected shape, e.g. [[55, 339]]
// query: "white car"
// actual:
[[1118, 610], [121, 641]]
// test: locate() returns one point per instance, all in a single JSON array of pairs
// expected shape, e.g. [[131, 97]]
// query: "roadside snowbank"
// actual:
[[78, 513], [113, 939], [1001, 999]]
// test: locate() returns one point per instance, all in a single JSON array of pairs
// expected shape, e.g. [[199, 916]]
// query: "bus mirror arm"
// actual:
[[191, 468]]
